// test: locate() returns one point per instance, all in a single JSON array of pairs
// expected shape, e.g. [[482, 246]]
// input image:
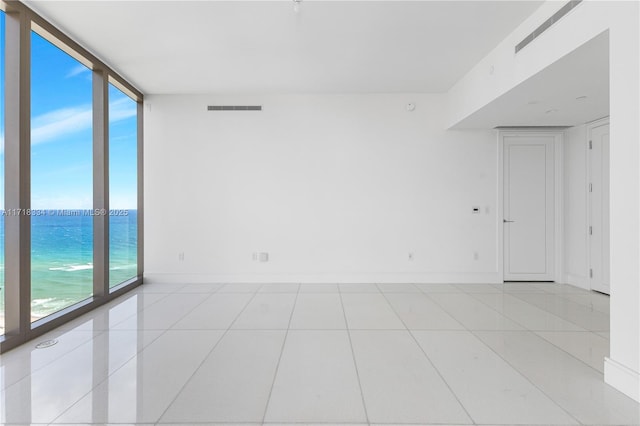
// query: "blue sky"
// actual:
[[61, 134]]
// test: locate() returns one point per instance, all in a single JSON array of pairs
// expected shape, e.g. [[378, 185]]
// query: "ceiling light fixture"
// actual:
[[296, 5], [581, 98]]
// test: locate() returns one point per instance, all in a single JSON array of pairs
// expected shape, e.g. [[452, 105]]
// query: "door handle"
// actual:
[[507, 221]]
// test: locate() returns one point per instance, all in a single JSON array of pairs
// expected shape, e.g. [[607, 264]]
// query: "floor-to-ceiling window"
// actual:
[[123, 187], [1, 173], [61, 179], [67, 122]]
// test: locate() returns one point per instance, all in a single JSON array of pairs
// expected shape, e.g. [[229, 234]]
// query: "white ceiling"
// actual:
[[265, 47], [554, 96]]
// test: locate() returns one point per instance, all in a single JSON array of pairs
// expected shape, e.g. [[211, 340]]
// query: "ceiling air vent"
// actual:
[[548, 23], [234, 108], [563, 127]]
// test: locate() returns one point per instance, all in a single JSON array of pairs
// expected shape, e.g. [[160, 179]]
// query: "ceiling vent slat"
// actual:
[[234, 108], [547, 24]]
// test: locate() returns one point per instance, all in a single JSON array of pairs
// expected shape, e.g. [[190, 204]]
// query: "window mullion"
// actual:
[[140, 229], [100, 183], [17, 177]]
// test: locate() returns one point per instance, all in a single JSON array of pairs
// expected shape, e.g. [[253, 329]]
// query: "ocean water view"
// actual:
[[62, 257], [61, 176]]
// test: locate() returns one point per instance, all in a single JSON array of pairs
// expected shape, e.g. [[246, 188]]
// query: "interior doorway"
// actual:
[[598, 232], [530, 186]]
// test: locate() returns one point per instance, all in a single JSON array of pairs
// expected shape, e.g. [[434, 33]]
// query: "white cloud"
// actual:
[[65, 121], [122, 109], [77, 70], [126, 138]]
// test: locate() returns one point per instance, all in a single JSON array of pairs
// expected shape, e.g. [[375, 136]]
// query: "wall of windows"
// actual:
[[123, 178], [69, 197], [61, 179]]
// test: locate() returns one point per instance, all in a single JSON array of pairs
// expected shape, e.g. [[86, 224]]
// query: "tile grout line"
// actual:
[[53, 422], [430, 361], [333, 329], [284, 342], [304, 424], [94, 334], [475, 333], [164, 331], [553, 400], [204, 359], [190, 310], [123, 364], [566, 297], [165, 295], [482, 303], [526, 330], [590, 304], [535, 332], [558, 296], [526, 378], [138, 292], [353, 357], [106, 332], [514, 295], [523, 301], [443, 309]]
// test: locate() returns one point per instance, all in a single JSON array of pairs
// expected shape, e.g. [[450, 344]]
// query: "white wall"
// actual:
[[622, 369], [575, 207], [342, 188], [501, 70], [335, 188]]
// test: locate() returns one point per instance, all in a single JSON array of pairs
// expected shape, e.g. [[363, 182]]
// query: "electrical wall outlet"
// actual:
[[260, 256]]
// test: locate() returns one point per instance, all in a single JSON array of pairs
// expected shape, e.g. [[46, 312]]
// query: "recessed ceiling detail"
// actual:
[[263, 47], [571, 91]]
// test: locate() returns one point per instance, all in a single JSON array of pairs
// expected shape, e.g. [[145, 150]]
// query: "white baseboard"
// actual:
[[622, 378], [578, 281], [425, 278]]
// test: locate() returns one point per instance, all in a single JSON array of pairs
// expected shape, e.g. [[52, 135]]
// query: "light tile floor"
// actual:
[[521, 353]]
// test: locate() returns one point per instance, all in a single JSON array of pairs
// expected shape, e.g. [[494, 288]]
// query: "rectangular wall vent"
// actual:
[[234, 108], [532, 127], [548, 23]]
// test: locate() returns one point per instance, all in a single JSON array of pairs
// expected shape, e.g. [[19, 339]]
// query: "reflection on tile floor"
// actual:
[[447, 354]]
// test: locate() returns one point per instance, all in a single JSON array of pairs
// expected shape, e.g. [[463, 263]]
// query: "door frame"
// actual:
[[589, 179], [558, 159]]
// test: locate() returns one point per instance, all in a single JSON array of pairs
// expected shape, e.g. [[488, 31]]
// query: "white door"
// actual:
[[529, 211], [599, 208]]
